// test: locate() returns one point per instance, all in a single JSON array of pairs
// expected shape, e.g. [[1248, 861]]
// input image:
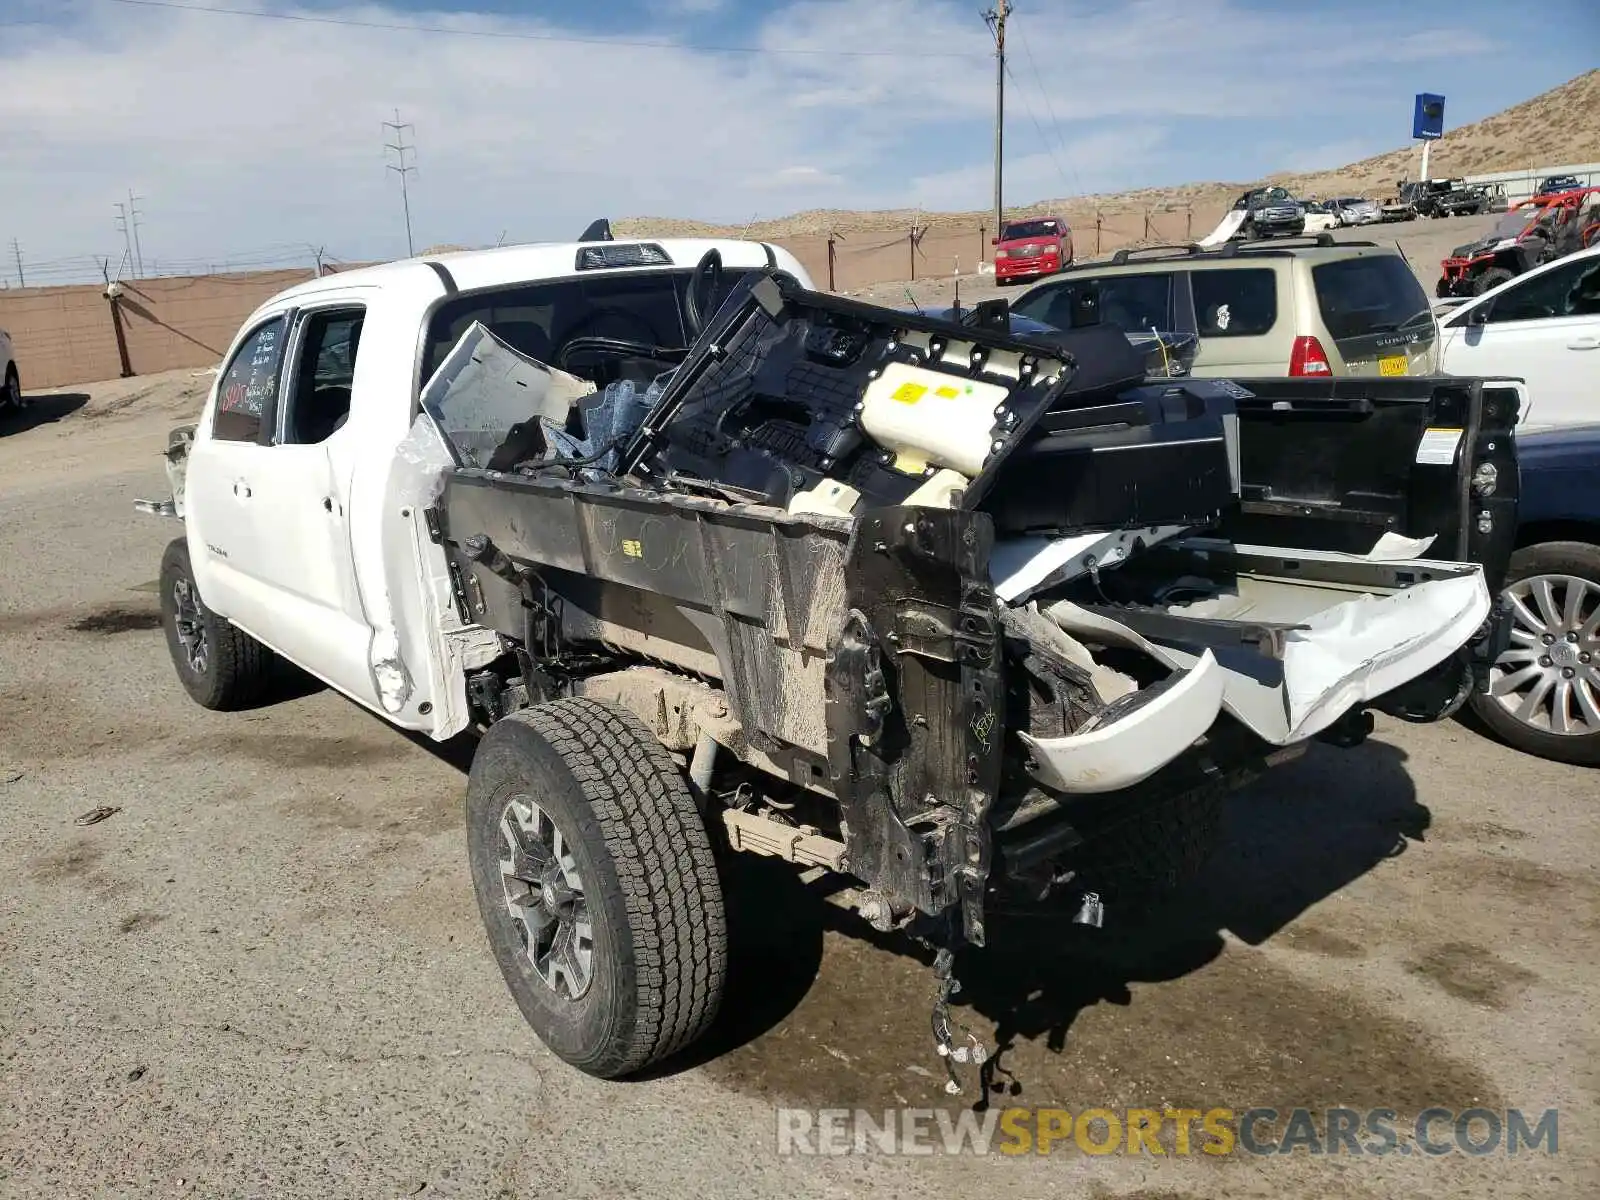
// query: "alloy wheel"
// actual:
[[190, 625], [1549, 678], [544, 897]]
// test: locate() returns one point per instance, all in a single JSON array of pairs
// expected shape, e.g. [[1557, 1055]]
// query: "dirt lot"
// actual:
[[265, 976]]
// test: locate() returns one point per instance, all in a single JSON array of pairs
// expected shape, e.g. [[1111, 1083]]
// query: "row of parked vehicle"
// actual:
[[1318, 308]]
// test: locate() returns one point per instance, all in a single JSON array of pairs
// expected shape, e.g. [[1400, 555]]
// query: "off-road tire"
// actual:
[[1578, 559], [237, 667], [1492, 278], [644, 856]]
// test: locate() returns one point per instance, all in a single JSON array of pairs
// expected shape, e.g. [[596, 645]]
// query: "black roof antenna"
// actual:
[[598, 231]]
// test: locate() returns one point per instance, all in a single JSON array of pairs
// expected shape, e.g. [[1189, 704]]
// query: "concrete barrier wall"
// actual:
[[65, 335]]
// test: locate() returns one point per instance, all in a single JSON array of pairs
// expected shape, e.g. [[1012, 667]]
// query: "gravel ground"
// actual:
[[265, 975]]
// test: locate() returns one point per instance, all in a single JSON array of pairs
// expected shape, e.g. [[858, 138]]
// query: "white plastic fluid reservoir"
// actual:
[[927, 418]]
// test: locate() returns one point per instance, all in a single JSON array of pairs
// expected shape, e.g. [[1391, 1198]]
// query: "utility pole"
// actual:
[[127, 237], [133, 219], [402, 169], [16, 249], [997, 20]]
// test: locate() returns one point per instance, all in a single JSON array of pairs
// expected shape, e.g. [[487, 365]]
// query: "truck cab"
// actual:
[[293, 535]]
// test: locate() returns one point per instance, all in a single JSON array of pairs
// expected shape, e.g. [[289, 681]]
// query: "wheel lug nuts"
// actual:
[[1572, 636], [1547, 638], [1544, 660], [1567, 673]]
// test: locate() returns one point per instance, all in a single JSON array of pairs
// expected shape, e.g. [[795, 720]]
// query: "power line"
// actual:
[[1050, 109], [1039, 129], [400, 148], [557, 38]]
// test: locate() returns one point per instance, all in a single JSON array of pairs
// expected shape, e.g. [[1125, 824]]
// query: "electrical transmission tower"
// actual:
[[402, 168], [128, 225], [16, 249]]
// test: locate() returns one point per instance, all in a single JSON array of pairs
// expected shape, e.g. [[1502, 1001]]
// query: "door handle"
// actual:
[[1584, 343], [241, 489]]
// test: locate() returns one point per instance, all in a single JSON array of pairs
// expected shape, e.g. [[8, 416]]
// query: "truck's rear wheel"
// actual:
[[596, 884], [220, 666]]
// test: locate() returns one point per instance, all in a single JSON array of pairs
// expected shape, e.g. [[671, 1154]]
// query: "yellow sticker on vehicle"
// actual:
[[947, 393], [633, 548], [1394, 364], [909, 393]]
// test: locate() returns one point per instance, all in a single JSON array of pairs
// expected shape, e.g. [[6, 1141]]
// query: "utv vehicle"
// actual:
[[1532, 232]]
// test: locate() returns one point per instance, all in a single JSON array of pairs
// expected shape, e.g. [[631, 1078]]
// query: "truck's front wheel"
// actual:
[[220, 666], [596, 883]]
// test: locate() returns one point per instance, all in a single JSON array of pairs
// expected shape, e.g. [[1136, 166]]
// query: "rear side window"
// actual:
[[1130, 302], [1235, 303], [248, 390], [1374, 294]]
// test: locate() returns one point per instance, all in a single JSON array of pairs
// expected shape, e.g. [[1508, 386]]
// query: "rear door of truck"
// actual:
[[1334, 464]]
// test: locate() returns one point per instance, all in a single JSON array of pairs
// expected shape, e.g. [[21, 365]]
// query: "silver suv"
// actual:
[[1319, 308]]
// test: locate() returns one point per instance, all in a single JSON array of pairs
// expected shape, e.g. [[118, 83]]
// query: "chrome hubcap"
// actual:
[[1549, 679], [544, 896], [190, 627]]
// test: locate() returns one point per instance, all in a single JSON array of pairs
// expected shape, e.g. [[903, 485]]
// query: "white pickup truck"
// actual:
[[715, 563]]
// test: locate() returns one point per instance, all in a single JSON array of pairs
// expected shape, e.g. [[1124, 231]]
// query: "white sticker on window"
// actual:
[[1223, 316], [1438, 447]]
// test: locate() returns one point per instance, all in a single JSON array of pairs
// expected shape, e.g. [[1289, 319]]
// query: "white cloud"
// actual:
[[794, 179], [241, 133]]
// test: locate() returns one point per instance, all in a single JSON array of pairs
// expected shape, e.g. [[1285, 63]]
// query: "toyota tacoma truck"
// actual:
[[709, 562]]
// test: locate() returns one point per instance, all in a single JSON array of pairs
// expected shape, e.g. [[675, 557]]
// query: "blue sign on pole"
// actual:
[[1427, 122]]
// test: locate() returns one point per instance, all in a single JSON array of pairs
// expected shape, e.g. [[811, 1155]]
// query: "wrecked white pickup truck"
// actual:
[[716, 563]]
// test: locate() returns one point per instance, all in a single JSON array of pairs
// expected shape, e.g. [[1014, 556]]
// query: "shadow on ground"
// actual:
[[40, 410], [821, 1010]]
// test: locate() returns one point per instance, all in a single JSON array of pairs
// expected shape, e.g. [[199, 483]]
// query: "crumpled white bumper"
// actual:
[[1135, 747], [1346, 654]]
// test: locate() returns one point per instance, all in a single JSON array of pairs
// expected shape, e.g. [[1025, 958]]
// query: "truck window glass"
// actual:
[[1235, 303], [1130, 302], [1570, 290], [248, 389], [539, 319], [1372, 294], [1030, 229], [319, 401]]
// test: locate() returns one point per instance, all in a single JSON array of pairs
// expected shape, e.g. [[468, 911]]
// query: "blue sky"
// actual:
[[253, 137]]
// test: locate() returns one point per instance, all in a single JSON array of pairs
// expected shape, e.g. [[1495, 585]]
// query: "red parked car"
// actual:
[[1029, 249]]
